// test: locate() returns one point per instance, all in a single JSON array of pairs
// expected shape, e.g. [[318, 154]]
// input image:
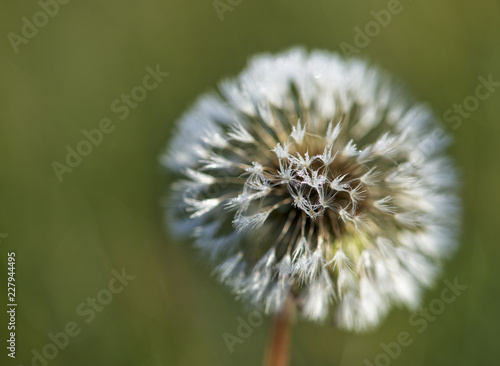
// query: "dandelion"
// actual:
[[315, 177]]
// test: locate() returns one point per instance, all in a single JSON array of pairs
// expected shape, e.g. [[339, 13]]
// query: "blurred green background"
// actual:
[[106, 214]]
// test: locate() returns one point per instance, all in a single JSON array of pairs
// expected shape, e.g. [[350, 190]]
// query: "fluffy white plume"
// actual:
[[311, 178]]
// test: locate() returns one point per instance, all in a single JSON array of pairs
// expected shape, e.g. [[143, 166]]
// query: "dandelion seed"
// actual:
[[239, 133], [281, 151], [332, 133], [298, 133]]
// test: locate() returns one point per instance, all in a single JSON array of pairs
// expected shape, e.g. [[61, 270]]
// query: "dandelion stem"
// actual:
[[278, 352]]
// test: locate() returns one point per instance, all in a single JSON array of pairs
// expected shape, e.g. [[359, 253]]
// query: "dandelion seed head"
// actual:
[[306, 177]]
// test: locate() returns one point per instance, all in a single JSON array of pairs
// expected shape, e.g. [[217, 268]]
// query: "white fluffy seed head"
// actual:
[[307, 179]]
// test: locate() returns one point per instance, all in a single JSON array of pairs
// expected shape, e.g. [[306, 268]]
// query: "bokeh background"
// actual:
[[106, 214]]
